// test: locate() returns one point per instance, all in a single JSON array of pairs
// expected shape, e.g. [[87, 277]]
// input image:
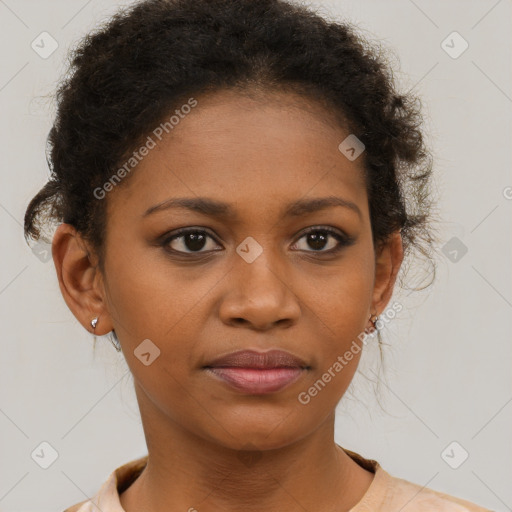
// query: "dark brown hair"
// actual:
[[129, 74]]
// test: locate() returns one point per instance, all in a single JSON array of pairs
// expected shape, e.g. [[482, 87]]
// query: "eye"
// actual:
[[318, 237], [192, 239]]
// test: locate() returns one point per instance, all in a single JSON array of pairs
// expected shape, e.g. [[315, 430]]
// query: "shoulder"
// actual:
[[76, 508], [423, 499], [389, 493], [116, 482]]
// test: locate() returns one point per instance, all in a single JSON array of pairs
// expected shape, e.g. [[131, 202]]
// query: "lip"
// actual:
[[260, 360], [253, 372]]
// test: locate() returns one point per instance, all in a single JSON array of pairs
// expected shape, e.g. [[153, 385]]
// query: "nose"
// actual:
[[259, 297]]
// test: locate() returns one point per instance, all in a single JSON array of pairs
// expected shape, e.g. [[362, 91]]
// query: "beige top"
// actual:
[[385, 494]]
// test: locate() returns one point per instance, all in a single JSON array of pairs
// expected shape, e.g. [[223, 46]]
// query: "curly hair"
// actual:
[[127, 76]]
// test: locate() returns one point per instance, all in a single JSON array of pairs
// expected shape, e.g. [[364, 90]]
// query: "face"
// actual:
[[259, 267]]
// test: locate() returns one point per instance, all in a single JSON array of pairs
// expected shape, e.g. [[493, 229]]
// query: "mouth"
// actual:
[[252, 372]]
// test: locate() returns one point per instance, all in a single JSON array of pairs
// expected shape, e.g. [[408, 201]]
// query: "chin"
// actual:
[[258, 435]]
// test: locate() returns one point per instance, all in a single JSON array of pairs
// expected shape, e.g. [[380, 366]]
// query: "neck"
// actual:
[[188, 472]]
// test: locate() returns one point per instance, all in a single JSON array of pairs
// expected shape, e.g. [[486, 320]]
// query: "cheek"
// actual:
[[341, 299], [340, 304], [340, 314], [151, 320], [149, 298]]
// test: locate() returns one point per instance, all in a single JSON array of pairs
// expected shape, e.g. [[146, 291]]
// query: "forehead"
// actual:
[[249, 149]]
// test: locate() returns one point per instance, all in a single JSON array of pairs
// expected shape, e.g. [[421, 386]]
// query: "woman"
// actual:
[[237, 185]]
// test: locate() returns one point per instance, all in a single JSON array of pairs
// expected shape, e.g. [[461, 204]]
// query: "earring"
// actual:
[[115, 341], [373, 319], [94, 322], [116, 344]]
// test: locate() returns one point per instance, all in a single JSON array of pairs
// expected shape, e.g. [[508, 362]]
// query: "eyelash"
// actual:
[[344, 240]]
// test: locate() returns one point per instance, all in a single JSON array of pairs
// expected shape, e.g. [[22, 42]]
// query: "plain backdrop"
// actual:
[[445, 387]]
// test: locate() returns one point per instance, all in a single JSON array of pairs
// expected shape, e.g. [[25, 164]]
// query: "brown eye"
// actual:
[[319, 239], [191, 240]]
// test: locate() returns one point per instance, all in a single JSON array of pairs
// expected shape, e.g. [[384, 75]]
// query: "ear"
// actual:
[[80, 279], [388, 260]]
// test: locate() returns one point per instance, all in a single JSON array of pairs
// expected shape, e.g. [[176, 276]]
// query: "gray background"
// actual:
[[447, 374]]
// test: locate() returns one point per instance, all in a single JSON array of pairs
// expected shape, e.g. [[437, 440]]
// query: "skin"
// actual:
[[257, 153]]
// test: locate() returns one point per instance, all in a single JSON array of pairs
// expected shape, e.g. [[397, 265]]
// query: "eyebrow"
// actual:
[[216, 208]]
